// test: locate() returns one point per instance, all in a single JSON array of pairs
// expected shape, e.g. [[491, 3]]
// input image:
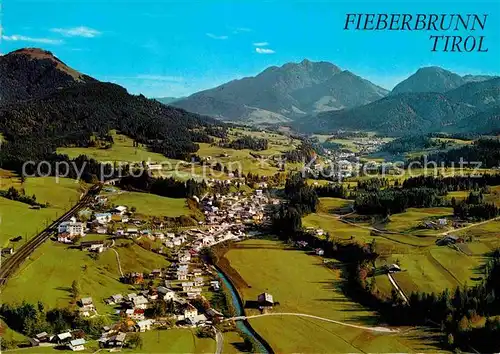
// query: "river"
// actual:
[[243, 325]]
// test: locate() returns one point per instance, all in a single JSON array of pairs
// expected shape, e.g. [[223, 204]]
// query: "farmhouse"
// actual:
[[265, 299], [185, 258], [116, 340], [77, 344], [92, 246], [140, 302], [166, 293], [114, 299], [103, 218], [119, 210], [62, 338]]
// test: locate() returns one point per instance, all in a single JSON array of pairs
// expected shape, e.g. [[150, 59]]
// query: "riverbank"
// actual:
[[243, 325]]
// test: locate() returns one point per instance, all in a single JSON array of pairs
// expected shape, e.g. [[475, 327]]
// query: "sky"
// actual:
[[174, 48]]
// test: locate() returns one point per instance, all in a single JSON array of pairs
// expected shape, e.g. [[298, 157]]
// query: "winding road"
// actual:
[[373, 329]]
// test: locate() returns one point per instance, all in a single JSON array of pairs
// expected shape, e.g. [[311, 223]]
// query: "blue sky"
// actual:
[[174, 48]]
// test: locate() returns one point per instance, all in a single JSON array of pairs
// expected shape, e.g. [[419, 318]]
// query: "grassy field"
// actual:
[[18, 219], [151, 204], [59, 265], [301, 283], [413, 217], [174, 341], [333, 205], [122, 150]]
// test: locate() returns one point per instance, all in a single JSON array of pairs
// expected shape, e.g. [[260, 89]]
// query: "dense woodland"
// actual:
[[485, 152], [412, 143], [246, 142], [34, 129], [165, 187]]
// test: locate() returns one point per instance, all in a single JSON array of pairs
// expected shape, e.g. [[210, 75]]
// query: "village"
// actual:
[[166, 297]]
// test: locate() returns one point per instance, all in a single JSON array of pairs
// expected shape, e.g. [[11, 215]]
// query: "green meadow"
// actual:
[[301, 283], [58, 266], [18, 219], [150, 204]]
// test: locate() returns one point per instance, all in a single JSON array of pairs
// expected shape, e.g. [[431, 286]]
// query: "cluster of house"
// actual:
[[234, 208], [70, 230], [72, 340]]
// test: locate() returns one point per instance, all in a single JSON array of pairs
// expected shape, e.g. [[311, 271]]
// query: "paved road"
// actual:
[[398, 289], [468, 226], [373, 329]]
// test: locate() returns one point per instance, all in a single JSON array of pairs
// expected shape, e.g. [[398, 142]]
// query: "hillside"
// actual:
[[481, 94], [282, 93], [32, 72], [69, 116], [466, 108]]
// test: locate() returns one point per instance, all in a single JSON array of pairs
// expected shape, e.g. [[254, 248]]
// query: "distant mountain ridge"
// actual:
[[280, 94], [465, 108], [435, 79]]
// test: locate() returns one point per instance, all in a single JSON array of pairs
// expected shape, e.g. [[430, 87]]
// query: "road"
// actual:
[[398, 289], [373, 329], [219, 341], [468, 226], [8, 267]]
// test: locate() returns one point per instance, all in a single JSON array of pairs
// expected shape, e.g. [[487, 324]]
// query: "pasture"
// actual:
[[58, 266], [150, 204], [302, 284], [19, 219]]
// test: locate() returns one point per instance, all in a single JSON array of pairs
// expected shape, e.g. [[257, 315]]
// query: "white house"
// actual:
[[166, 293], [143, 326], [71, 227], [190, 312], [103, 218], [119, 210]]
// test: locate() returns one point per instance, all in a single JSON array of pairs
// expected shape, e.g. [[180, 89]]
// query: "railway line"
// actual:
[[8, 267]]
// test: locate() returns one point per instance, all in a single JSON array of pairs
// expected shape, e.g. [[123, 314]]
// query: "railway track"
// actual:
[[8, 267]]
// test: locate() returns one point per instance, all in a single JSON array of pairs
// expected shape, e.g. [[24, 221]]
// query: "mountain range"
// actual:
[[466, 108], [282, 94], [321, 97]]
